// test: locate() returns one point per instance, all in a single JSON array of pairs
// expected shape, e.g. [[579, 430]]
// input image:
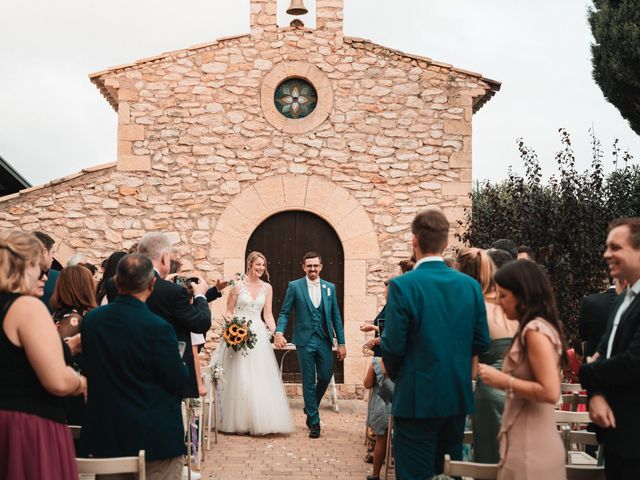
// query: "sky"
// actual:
[[54, 122]]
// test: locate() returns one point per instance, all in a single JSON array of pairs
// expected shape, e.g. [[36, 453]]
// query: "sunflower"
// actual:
[[233, 328]]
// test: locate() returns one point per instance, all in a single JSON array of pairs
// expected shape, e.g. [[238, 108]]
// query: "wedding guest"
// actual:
[[94, 271], [488, 401], [34, 439], [594, 313], [374, 345], [451, 261], [73, 297], [136, 377], [197, 339], [530, 447], [173, 303], [52, 275], [106, 289], [77, 259], [612, 380], [525, 253], [407, 265], [379, 410], [575, 358], [499, 257], [435, 323], [377, 326], [507, 245]]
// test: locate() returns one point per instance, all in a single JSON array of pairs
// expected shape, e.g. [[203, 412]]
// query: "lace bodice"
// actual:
[[247, 306]]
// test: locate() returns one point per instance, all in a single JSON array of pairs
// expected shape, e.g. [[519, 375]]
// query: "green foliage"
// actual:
[[615, 25], [564, 221]]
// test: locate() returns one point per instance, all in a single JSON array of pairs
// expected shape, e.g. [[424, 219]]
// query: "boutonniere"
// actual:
[[328, 290]]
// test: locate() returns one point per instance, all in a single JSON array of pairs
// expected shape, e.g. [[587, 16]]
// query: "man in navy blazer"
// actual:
[[435, 322], [135, 377], [172, 302]]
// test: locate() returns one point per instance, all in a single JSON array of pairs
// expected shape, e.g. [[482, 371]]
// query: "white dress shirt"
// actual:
[[433, 258], [628, 299], [314, 291]]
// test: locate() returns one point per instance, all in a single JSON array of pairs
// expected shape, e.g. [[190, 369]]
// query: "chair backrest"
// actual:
[[573, 400], [570, 387], [106, 466], [575, 472], [581, 437], [477, 471], [571, 417], [75, 431]]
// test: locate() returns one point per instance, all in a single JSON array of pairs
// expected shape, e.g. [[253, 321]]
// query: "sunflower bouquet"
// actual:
[[238, 335]]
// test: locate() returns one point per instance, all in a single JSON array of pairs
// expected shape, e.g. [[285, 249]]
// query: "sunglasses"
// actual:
[[43, 273]]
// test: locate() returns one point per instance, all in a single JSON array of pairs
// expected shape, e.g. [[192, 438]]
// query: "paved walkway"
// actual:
[[337, 454]]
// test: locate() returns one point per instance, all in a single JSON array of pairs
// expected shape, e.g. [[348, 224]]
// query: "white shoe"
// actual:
[[194, 475]]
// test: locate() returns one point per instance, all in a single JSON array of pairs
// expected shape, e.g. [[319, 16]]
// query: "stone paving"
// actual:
[[337, 454]]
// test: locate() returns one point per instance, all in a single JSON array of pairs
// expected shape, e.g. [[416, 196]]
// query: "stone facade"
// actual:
[[199, 154]]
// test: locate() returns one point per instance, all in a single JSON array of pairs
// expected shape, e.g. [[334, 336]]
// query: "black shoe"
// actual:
[[315, 431], [308, 420]]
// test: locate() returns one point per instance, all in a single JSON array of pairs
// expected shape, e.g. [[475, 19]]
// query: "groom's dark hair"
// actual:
[[309, 255]]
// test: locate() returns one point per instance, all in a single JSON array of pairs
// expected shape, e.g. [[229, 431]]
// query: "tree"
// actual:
[[564, 222], [615, 25]]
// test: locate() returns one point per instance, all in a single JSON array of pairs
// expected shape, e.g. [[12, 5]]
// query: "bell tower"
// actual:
[[329, 17]]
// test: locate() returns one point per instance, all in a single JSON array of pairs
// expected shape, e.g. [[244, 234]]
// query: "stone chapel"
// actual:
[[282, 140]]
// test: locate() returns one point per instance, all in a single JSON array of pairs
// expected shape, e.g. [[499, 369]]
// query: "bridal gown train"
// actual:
[[253, 396]]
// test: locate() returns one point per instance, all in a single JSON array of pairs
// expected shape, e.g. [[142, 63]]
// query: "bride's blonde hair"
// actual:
[[253, 256]]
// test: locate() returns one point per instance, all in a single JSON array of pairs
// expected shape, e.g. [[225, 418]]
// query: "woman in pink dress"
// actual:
[[530, 447]]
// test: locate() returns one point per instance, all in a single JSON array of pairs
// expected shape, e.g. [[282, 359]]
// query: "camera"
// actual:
[[185, 282]]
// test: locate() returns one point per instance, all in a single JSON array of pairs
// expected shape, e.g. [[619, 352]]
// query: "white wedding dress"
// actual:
[[253, 396]]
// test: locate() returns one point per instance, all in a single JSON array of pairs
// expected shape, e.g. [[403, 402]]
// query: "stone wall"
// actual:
[[192, 136]]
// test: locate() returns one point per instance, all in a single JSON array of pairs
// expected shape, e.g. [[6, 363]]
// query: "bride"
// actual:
[[253, 397]]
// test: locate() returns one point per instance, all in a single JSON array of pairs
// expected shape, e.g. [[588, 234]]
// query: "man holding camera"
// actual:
[[173, 303]]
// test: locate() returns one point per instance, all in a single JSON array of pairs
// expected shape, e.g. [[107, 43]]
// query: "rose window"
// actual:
[[295, 98]]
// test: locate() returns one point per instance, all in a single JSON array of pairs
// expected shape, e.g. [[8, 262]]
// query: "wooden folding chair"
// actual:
[[570, 387], [210, 403], [389, 453], [579, 438], [573, 418], [107, 466], [477, 471], [575, 472]]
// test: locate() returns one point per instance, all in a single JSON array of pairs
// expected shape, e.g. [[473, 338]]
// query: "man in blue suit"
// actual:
[[317, 321], [135, 377], [435, 322]]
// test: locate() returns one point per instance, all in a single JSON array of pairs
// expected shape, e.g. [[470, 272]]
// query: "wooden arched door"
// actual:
[[284, 238]]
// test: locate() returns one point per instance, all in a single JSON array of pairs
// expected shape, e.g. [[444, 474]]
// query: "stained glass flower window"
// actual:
[[295, 98]]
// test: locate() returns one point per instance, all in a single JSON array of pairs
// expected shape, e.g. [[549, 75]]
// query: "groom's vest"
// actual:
[[319, 325]]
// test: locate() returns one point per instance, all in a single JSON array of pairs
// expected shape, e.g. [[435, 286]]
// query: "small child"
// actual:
[[379, 410]]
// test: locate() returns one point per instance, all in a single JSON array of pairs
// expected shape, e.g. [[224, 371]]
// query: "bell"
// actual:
[[297, 8]]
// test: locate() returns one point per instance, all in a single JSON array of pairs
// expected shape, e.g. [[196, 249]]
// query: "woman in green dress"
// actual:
[[489, 402]]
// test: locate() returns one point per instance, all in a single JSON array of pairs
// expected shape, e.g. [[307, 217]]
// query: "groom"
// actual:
[[317, 320]]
